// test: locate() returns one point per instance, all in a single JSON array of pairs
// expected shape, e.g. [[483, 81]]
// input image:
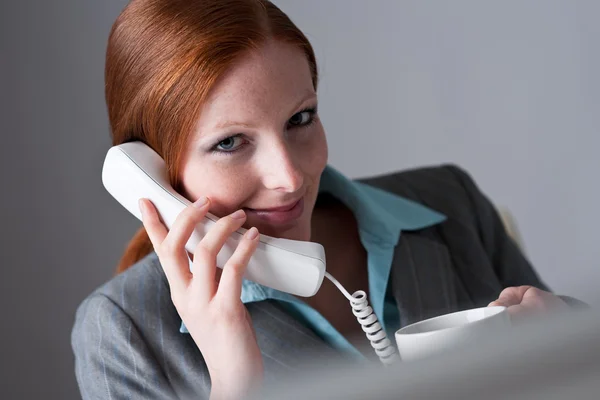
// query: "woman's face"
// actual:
[[259, 144]]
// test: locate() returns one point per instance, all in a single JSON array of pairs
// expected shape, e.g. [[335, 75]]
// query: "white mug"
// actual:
[[435, 335]]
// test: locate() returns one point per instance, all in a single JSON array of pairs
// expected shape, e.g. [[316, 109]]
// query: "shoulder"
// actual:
[[126, 288], [423, 181], [136, 297], [446, 188], [126, 340]]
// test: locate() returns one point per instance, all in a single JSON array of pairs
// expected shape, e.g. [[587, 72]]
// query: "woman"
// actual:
[[225, 92]]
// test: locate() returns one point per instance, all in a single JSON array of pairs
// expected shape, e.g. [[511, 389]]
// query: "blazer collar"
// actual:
[[380, 214]]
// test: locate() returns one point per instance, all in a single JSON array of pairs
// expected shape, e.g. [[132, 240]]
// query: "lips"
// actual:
[[282, 208], [279, 215]]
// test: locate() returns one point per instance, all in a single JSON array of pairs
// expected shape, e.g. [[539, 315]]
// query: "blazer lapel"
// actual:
[[422, 279]]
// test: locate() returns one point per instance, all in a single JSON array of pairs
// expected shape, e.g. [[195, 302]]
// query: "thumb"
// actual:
[[510, 296]]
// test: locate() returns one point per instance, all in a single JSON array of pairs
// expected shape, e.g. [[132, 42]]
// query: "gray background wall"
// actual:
[[509, 90]]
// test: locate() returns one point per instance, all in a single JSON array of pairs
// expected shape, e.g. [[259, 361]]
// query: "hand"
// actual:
[[210, 307], [525, 301]]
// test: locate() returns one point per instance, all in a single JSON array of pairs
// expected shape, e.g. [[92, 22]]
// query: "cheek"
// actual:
[[225, 189], [317, 154]]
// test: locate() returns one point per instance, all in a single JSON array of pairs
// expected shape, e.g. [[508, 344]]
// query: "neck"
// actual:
[[334, 226]]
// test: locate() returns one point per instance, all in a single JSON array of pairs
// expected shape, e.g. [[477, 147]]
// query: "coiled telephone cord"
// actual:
[[370, 324]]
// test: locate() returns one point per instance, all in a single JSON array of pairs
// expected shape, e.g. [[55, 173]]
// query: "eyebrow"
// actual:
[[227, 124]]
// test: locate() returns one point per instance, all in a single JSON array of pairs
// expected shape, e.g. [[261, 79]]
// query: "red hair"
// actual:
[[163, 58]]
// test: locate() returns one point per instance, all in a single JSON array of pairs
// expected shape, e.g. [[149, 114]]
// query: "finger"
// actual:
[[154, 227], [504, 301], [205, 255], [215, 238], [230, 286], [175, 263], [185, 223], [203, 270], [511, 296], [543, 301]]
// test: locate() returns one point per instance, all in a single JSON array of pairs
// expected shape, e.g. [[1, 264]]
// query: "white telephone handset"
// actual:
[[133, 170]]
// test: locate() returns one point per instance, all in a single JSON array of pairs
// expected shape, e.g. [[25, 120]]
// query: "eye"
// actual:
[[229, 144], [302, 118]]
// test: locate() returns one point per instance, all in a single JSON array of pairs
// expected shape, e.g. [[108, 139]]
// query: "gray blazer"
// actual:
[[126, 337]]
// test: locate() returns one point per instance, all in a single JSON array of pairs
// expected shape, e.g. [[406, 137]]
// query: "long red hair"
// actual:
[[164, 56]]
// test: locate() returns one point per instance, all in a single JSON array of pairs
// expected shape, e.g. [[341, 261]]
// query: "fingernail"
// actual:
[[252, 233], [200, 202], [141, 206], [238, 214]]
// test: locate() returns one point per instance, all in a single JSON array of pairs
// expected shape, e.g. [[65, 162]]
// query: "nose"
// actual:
[[281, 171]]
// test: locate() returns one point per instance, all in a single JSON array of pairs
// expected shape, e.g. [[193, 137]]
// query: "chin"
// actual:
[[300, 233]]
